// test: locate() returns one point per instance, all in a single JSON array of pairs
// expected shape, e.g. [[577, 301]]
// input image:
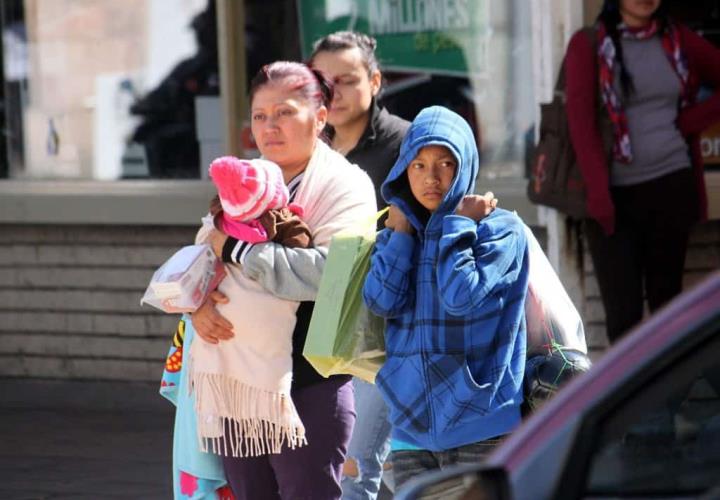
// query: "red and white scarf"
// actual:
[[670, 40]]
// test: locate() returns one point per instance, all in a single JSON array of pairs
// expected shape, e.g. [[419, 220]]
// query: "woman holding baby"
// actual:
[[289, 107]]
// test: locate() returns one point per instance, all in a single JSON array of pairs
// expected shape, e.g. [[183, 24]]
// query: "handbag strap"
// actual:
[[560, 85], [605, 125]]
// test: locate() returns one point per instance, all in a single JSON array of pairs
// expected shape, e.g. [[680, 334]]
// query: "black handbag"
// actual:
[[555, 178]]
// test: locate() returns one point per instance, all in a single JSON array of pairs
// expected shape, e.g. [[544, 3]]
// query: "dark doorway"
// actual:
[[13, 66]]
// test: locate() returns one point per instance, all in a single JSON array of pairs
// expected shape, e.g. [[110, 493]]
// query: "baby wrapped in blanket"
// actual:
[[242, 385]]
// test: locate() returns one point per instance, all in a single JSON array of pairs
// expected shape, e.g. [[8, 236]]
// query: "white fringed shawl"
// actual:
[[242, 385]]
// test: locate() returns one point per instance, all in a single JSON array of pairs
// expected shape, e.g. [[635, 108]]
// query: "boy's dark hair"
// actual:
[[610, 17], [342, 40]]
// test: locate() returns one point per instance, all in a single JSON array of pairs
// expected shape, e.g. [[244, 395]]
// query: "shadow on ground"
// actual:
[[84, 440]]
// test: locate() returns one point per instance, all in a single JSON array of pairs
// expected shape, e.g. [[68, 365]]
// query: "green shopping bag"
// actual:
[[344, 337]]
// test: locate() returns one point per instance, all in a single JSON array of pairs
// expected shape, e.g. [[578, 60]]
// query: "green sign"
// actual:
[[435, 36]]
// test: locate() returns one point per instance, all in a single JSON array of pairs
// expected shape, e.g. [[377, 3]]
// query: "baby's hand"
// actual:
[[477, 207], [215, 206], [397, 221], [217, 242]]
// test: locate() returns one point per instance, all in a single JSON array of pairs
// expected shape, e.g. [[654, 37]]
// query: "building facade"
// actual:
[[112, 111]]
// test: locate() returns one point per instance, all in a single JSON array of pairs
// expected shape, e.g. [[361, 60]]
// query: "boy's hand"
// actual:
[[397, 221], [217, 241], [477, 207]]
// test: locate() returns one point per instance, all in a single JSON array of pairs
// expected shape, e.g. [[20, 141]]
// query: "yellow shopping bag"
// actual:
[[344, 337]]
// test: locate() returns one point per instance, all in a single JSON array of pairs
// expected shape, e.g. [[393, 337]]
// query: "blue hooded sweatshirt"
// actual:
[[453, 294]]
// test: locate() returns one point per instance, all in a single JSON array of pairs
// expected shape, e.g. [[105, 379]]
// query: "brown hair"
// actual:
[[342, 40]]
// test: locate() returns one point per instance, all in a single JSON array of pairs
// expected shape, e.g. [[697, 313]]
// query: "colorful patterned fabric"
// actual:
[[196, 475], [622, 150]]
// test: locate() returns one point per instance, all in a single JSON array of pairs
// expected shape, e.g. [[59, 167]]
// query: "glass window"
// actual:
[[112, 90], [474, 57], [108, 90], [665, 440]]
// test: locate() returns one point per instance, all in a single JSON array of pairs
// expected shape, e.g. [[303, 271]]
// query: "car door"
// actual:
[[658, 435]]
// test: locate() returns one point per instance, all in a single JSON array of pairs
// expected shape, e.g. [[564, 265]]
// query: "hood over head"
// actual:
[[435, 125]]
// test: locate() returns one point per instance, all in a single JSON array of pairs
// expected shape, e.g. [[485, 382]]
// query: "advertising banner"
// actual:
[[435, 36]]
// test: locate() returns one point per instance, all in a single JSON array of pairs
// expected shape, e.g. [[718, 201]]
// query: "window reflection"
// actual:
[[167, 128], [111, 90], [473, 57], [678, 431], [105, 90], [13, 92]]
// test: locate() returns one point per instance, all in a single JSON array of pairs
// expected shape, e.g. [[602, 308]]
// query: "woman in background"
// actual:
[[369, 136], [644, 198]]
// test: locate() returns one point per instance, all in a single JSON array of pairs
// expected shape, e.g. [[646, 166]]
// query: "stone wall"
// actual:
[[70, 298], [70, 301]]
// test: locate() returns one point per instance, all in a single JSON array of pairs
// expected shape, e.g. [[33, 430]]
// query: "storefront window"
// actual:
[[120, 90], [474, 57], [108, 90]]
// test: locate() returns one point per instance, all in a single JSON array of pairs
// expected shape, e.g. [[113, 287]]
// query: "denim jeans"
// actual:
[[409, 463], [370, 443]]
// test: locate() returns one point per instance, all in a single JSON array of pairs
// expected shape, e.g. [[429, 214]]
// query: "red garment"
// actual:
[[582, 87]]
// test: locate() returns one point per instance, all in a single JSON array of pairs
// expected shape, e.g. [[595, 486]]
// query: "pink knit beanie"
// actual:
[[248, 188]]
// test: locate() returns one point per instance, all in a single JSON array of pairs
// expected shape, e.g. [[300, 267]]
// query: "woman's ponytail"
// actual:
[[327, 89]]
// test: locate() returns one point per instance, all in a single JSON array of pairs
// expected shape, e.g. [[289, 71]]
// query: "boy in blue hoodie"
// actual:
[[450, 275]]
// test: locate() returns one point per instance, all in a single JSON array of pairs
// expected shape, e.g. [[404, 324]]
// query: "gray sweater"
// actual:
[[658, 147]]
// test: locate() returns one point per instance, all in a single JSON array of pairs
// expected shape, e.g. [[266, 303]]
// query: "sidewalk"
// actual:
[[84, 440]]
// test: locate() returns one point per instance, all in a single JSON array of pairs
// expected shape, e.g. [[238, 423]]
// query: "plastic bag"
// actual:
[[556, 347], [545, 374], [552, 319], [344, 336], [185, 280]]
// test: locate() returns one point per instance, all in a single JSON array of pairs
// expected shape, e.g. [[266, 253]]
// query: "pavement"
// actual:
[[62, 440], [82, 440]]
